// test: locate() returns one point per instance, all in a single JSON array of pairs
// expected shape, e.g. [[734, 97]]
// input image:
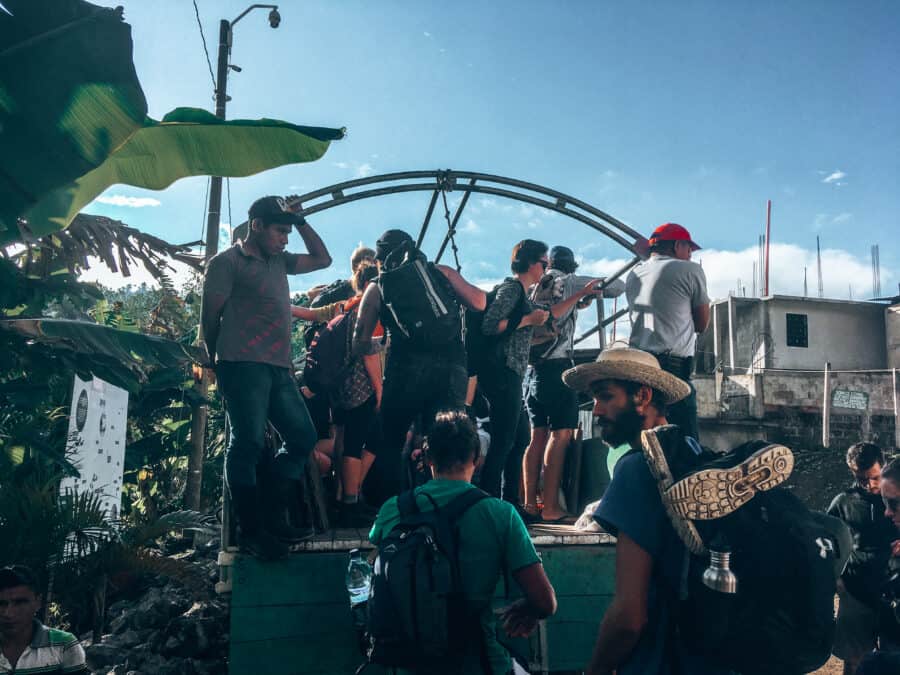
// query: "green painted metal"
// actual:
[[291, 617]]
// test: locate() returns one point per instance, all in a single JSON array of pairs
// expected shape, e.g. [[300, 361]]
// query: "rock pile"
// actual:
[[167, 630]]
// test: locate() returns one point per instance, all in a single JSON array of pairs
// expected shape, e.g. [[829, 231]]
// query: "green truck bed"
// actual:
[[292, 617]]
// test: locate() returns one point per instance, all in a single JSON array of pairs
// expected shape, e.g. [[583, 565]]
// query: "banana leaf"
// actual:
[[128, 360], [69, 95], [73, 121], [188, 142]]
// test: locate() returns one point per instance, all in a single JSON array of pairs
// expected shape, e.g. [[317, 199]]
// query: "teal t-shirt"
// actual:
[[492, 539]]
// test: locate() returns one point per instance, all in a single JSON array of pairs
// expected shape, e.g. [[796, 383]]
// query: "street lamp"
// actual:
[[199, 413], [215, 188]]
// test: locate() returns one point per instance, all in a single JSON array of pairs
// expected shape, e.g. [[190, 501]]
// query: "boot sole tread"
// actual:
[[715, 493]]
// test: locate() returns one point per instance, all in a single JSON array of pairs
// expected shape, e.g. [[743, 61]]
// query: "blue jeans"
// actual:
[[684, 413], [255, 393]]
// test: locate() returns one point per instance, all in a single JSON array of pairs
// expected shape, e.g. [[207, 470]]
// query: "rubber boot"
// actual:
[[251, 537], [275, 519]]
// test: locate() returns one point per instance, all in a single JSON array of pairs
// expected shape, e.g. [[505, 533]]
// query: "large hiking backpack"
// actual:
[[547, 292], [420, 306], [481, 349], [336, 291], [417, 613], [786, 559], [328, 359]]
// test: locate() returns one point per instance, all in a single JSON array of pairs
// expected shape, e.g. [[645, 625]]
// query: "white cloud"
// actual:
[[470, 226], [840, 270], [823, 219], [360, 169], [841, 218], [427, 34], [129, 202], [834, 177], [98, 272]]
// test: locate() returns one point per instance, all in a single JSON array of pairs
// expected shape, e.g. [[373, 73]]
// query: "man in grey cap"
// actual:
[[553, 407]]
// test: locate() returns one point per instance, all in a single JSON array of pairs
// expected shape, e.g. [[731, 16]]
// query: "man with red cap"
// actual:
[[669, 305]]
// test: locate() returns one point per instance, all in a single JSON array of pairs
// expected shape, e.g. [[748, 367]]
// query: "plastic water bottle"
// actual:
[[359, 578]]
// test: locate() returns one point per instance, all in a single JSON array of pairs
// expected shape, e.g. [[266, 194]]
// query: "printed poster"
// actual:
[[96, 441]]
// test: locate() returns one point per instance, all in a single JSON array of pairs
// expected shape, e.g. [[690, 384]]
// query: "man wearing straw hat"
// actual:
[[631, 395]]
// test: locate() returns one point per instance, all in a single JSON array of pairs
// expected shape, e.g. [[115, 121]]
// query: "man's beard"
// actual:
[[624, 429]]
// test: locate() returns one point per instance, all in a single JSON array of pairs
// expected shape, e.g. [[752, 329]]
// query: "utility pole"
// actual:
[[200, 411]]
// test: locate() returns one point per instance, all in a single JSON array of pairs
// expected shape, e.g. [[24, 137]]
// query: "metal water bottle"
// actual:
[[718, 576]]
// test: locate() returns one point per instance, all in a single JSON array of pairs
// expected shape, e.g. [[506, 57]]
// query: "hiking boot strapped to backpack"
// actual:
[[417, 610], [786, 559]]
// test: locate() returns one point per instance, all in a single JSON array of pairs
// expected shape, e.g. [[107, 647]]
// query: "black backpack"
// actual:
[[328, 359], [419, 305], [786, 559], [336, 291], [417, 614], [481, 349]]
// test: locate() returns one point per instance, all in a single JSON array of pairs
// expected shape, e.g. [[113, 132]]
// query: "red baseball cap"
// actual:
[[672, 232]]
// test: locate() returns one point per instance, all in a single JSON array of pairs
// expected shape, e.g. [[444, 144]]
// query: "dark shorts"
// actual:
[[362, 428], [320, 413], [550, 402]]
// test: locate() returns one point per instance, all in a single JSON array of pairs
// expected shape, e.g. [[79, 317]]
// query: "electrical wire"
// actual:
[[230, 221], [203, 222], [205, 50]]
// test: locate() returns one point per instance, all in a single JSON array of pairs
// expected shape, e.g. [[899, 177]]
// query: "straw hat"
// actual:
[[631, 365]]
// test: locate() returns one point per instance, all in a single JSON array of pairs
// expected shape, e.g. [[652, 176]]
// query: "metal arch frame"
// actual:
[[468, 182]]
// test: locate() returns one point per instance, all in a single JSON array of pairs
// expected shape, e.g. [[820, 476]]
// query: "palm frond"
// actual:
[[176, 521], [117, 245]]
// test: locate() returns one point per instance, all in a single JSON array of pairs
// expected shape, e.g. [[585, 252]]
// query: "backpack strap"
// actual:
[[456, 507], [406, 504]]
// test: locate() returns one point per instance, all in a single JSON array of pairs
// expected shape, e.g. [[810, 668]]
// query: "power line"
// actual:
[[205, 50], [230, 221], [203, 222]]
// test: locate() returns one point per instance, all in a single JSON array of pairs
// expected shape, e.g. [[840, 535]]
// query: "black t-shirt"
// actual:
[[872, 536]]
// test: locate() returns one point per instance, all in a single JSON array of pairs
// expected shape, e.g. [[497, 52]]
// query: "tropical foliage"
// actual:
[[136, 338]]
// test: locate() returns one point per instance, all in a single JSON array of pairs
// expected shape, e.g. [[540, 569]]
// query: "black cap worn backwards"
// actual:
[[273, 210], [563, 258], [390, 241]]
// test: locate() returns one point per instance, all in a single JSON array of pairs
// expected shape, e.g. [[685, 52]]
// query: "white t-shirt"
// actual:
[[662, 293]]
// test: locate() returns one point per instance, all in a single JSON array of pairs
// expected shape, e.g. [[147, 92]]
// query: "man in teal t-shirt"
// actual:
[[493, 540]]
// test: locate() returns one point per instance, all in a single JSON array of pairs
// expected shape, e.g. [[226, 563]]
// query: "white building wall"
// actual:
[[848, 335], [892, 334]]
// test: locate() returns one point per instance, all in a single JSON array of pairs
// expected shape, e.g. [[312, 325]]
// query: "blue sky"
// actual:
[[693, 112]]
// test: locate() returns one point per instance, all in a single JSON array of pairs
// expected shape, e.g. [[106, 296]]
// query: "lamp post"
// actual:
[[199, 413]]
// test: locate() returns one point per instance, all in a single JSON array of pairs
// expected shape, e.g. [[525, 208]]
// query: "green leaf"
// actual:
[[188, 142]]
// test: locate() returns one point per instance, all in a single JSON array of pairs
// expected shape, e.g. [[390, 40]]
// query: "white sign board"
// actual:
[[96, 441], [844, 398]]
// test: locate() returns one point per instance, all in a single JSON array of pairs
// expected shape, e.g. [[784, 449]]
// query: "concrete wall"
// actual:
[[849, 335], [786, 407], [892, 335]]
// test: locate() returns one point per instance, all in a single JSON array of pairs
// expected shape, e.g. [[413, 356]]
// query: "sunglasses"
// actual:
[[544, 264]]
